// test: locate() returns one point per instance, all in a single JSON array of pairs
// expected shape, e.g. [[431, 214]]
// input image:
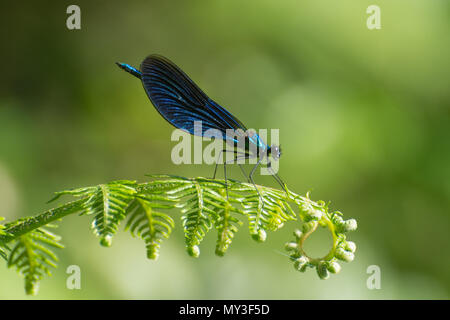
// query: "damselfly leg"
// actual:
[[231, 161], [277, 178], [251, 177], [238, 156]]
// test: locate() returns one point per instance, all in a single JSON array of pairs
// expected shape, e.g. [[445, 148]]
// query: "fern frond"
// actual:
[[150, 225], [108, 203], [196, 216], [315, 214], [33, 257], [109, 206], [204, 203], [199, 201], [267, 210], [226, 225]]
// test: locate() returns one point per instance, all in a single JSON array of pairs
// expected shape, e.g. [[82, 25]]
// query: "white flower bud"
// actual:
[[194, 251], [343, 255], [300, 264], [291, 246], [334, 267], [350, 246], [350, 225], [322, 271], [298, 234]]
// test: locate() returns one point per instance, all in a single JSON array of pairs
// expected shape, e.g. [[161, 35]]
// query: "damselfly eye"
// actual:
[[276, 152]]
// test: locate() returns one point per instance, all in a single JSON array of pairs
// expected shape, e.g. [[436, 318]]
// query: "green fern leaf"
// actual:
[[223, 218], [200, 202], [267, 210], [226, 225], [108, 204], [151, 226], [195, 218], [33, 258], [203, 204]]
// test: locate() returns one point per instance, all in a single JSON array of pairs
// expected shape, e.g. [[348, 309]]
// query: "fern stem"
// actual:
[[28, 224]]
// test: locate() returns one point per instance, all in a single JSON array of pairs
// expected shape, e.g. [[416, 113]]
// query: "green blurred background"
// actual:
[[363, 118]]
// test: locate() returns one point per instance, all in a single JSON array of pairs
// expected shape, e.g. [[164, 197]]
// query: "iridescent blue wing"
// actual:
[[180, 101]]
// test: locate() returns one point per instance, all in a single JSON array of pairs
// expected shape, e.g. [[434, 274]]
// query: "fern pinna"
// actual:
[[205, 204], [33, 257], [150, 225]]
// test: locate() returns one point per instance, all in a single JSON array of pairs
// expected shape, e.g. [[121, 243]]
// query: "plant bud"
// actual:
[[301, 263], [343, 255], [350, 225], [261, 236], [308, 226], [337, 220], [316, 214], [350, 246], [334, 267], [322, 271], [106, 241], [193, 251], [298, 234], [291, 246]]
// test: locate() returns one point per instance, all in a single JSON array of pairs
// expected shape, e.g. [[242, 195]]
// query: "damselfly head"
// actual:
[[275, 151]]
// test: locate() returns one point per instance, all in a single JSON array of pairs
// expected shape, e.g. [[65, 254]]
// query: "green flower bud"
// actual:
[[343, 255], [291, 246], [308, 226], [298, 234], [316, 214], [220, 251], [337, 213], [334, 267], [337, 220], [194, 251], [307, 212], [106, 241], [350, 225], [322, 271], [31, 288], [344, 226], [301, 263], [261, 236], [350, 246]]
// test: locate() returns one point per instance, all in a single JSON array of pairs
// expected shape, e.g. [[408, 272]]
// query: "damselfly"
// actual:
[[182, 103]]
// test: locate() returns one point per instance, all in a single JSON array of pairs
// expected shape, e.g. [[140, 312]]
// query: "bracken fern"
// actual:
[[204, 204]]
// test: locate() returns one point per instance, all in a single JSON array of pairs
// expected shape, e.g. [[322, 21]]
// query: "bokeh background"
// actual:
[[363, 118]]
